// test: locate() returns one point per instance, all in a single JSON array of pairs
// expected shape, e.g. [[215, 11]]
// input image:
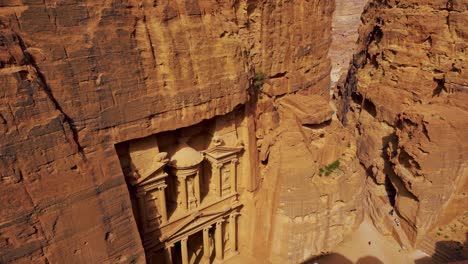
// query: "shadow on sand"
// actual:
[[447, 252], [335, 258]]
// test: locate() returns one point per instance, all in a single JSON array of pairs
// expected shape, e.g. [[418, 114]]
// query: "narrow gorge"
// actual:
[[237, 131]]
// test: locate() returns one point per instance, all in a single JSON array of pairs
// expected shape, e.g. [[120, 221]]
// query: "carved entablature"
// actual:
[[224, 167]]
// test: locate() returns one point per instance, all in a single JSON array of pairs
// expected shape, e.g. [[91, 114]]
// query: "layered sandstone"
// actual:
[[80, 77], [93, 91], [407, 92], [346, 21], [307, 206]]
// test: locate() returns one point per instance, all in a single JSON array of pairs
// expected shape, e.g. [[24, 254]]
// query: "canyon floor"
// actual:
[[365, 246], [368, 246]]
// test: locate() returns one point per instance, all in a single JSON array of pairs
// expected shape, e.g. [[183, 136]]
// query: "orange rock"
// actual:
[[406, 94]]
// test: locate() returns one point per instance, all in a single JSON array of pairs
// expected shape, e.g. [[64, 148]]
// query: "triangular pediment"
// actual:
[[197, 221], [151, 175], [220, 152]]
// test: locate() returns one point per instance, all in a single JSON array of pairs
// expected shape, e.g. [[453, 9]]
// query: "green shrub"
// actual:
[[259, 79], [330, 168]]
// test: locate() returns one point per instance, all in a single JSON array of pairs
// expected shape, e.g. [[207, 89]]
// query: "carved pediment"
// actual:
[[151, 175], [197, 221], [222, 152]]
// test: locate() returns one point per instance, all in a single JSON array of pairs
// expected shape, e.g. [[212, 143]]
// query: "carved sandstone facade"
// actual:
[[186, 205]]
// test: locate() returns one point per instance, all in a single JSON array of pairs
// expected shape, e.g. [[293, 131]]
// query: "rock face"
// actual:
[[97, 92], [407, 92], [80, 77], [346, 21], [310, 158]]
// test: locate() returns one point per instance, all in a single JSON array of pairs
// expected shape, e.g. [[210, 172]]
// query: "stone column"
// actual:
[[196, 182], [183, 192], [141, 200], [206, 245], [219, 241], [233, 175], [233, 233], [217, 177], [220, 179], [162, 203], [168, 252], [183, 244]]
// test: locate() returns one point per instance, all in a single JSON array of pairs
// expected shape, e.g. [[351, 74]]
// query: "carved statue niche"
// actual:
[[224, 167], [147, 181], [185, 167]]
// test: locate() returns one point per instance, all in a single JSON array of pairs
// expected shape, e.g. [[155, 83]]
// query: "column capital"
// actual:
[[184, 239], [220, 222], [234, 215], [235, 161], [169, 245], [207, 228], [161, 187], [183, 177], [217, 165]]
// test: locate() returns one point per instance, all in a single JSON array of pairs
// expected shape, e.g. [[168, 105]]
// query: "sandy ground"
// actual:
[[357, 249]]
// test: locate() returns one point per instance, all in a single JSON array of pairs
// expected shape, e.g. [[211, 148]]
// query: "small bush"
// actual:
[[259, 79], [330, 168]]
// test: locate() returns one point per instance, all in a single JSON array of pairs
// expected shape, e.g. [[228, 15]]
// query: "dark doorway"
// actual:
[[195, 247], [177, 253], [391, 191]]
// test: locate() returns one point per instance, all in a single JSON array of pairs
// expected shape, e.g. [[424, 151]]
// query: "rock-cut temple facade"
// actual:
[[186, 198]]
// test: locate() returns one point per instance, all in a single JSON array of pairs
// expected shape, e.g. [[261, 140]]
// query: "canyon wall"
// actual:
[[79, 77], [305, 157], [407, 93], [345, 25]]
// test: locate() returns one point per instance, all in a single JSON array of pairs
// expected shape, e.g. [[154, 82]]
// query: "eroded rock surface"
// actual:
[[346, 22], [307, 163], [83, 80], [79, 77], [407, 88]]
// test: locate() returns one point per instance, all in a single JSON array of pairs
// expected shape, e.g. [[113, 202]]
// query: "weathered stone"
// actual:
[[407, 87], [80, 77]]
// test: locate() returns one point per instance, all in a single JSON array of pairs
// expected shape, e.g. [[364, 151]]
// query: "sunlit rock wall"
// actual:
[[300, 213], [345, 25], [78, 77], [406, 92]]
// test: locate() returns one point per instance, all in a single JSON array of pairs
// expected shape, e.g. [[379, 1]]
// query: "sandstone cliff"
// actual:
[[84, 80], [346, 22], [406, 91], [79, 77]]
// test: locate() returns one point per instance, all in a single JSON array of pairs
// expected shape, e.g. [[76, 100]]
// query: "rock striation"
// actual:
[[346, 21], [82, 77], [406, 94], [309, 160], [139, 130]]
